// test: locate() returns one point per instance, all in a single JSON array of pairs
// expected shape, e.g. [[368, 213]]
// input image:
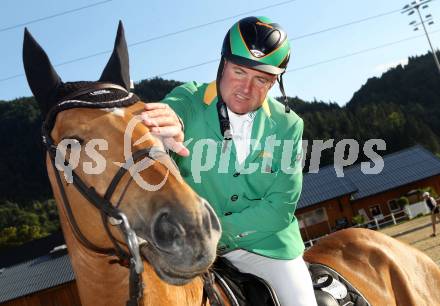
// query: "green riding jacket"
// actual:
[[256, 200]]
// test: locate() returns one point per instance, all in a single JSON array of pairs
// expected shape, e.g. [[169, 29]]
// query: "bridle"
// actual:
[[110, 213]]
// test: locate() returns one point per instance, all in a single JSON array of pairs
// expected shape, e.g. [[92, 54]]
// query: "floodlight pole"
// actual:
[[416, 5], [429, 40]]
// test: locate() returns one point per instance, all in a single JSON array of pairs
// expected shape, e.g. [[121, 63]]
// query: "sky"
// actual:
[[336, 45]]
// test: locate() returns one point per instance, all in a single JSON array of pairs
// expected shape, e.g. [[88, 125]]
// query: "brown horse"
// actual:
[[101, 210], [385, 270]]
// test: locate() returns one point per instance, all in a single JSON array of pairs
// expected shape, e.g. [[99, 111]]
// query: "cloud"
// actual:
[[385, 67]]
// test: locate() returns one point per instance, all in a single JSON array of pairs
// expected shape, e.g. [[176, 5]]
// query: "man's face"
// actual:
[[244, 89]]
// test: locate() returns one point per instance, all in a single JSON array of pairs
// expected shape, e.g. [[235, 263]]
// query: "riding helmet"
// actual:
[[257, 43]]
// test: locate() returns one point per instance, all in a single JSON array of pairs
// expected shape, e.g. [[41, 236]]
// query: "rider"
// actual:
[[435, 210], [245, 155]]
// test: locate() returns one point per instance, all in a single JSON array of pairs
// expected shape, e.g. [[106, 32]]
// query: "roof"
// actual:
[[323, 186], [35, 275], [49, 269], [400, 168], [31, 249]]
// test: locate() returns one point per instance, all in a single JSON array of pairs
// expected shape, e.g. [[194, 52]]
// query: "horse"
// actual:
[[135, 221], [150, 242], [384, 270]]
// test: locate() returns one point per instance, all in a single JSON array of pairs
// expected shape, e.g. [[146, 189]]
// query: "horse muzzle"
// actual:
[[182, 245]]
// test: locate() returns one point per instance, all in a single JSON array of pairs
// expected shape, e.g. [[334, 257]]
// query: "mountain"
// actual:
[[402, 107], [418, 82]]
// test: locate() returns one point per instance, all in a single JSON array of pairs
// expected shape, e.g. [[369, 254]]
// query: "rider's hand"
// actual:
[[163, 121]]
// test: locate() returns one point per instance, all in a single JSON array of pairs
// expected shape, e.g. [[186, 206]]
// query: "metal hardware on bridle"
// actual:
[[103, 204], [132, 243], [113, 221]]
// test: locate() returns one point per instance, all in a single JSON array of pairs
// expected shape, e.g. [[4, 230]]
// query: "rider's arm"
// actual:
[[180, 100], [167, 118]]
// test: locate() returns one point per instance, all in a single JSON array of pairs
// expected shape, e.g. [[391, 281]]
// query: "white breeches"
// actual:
[[289, 278]]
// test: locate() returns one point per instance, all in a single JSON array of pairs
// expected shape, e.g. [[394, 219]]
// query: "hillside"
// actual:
[[401, 107]]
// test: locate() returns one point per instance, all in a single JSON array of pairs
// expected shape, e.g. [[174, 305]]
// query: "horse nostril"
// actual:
[[210, 219], [167, 232]]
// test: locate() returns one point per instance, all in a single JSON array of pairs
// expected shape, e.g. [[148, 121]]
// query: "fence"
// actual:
[[376, 223], [416, 209]]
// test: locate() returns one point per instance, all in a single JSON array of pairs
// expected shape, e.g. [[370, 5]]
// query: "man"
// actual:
[[435, 211], [243, 154]]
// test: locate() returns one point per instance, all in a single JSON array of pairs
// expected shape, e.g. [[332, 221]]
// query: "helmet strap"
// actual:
[[280, 82], [222, 110]]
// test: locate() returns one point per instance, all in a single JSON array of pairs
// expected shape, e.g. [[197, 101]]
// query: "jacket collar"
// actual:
[[263, 124]]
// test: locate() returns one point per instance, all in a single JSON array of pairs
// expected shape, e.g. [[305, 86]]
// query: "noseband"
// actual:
[[109, 212]]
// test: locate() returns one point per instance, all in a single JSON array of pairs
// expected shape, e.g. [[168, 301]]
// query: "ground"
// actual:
[[417, 233]]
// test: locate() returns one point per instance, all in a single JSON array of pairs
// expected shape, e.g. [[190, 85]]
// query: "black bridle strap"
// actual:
[[209, 289], [110, 190], [75, 228], [103, 204], [90, 194], [136, 287], [124, 191], [106, 209], [94, 87], [118, 176]]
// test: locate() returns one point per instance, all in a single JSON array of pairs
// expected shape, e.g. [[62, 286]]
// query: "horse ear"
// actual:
[[41, 76], [117, 69]]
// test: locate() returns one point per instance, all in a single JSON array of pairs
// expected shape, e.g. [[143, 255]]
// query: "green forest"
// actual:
[[401, 107]]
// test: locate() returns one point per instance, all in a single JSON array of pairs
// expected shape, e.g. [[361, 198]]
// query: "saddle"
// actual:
[[244, 289], [331, 289]]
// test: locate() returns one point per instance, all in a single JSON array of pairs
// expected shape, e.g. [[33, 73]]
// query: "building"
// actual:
[[38, 273], [329, 202]]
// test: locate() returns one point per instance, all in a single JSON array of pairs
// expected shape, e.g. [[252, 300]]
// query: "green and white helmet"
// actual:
[[260, 44], [257, 43]]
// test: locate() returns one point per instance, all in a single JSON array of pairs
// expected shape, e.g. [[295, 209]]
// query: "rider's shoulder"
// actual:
[[190, 88]]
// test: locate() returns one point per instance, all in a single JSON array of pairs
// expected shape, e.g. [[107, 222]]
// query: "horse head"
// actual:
[[112, 178]]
